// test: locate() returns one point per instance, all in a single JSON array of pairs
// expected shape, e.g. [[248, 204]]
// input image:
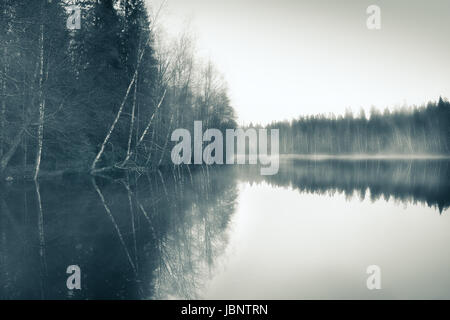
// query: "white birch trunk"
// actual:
[[41, 104], [146, 128], [132, 121], [122, 105]]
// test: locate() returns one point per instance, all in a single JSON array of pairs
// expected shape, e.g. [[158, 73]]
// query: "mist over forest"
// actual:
[[407, 130]]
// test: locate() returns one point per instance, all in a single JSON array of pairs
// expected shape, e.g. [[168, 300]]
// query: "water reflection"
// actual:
[[153, 236], [161, 235], [426, 181]]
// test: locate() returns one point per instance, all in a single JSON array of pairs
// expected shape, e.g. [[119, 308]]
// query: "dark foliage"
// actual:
[[85, 79]]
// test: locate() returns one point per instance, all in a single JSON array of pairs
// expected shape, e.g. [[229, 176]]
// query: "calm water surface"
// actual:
[[228, 233]]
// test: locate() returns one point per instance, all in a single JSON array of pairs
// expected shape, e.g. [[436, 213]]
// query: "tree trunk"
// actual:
[[3, 110], [132, 120], [7, 156], [146, 128], [167, 140], [41, 103], [122, 105]]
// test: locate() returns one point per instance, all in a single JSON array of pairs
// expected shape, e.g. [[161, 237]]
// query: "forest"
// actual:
[[406, 130], [106, 95], [109, 94]]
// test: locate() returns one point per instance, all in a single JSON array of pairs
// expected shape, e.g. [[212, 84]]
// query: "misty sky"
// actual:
[[286, 58]]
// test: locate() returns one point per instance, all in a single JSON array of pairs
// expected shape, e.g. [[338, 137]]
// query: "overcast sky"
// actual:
[[286, 58]]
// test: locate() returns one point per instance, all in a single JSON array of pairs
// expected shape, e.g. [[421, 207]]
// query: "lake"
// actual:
[[226, 232]]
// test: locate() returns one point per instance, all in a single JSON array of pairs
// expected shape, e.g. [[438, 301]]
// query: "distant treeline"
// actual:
[[106, 95], [404, 131]]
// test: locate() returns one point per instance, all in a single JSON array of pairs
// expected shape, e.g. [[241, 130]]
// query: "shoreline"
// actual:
[[319, 157], [26, 175]]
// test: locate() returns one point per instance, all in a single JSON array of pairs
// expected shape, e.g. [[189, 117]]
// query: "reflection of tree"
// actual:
[[116, 227], [426, 181], [6, 223], [41, 231], [22, 246], [195, 232], [153, 236], [159, 235]]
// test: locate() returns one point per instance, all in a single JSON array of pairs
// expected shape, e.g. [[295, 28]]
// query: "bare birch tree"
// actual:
[[41, 102]]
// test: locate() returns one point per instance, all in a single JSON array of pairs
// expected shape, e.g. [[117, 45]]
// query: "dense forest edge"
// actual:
[[109, 95], [106, 95]]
